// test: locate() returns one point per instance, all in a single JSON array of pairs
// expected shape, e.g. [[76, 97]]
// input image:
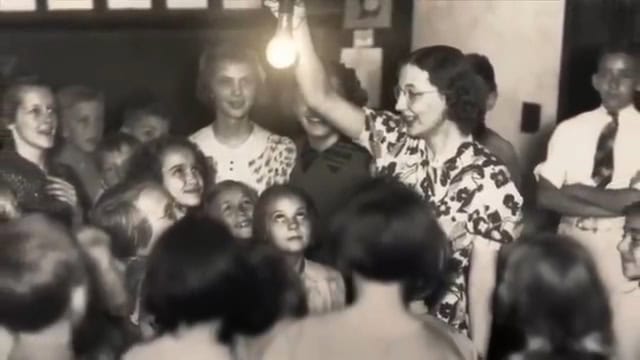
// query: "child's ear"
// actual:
[[595, 82]]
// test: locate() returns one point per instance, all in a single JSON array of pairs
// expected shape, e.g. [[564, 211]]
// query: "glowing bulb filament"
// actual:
[[281, 51]]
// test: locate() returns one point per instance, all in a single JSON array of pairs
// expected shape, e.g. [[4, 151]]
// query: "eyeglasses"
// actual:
[[410, 94]]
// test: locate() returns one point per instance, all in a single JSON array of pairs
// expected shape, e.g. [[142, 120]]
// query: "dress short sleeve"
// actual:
[[383, 135]]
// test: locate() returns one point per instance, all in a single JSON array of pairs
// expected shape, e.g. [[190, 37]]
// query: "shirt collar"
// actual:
[[628, 112], [308, 154], [449, 151]]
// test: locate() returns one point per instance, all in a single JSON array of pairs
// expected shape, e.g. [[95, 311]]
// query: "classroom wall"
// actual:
[[522, 38]]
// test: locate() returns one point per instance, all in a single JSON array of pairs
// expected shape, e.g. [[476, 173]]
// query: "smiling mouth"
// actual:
[[194, 190], [237, 104], [315, 120], [296, 238], [47, 131], [409, 118], [243, 224]]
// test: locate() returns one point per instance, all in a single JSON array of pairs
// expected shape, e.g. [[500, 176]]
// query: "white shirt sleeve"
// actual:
[[554, 168]]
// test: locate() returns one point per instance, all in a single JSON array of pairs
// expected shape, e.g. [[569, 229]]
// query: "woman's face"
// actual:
[[235, 209], [234, 88], [420, 104], [182, 176], [36, 121], [288, 224]]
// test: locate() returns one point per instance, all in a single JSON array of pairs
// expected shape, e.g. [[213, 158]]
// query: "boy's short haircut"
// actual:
[[39, 266], [116, 142], [70, 96], [619, 49], [134, 111]]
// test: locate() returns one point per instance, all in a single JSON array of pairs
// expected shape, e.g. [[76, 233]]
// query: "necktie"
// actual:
[[603, 160]]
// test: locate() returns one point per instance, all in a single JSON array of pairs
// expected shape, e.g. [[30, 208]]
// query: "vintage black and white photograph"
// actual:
[[319, 180]]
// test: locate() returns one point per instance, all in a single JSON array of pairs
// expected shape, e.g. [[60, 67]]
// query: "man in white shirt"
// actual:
[[228, 81], [591, 175]]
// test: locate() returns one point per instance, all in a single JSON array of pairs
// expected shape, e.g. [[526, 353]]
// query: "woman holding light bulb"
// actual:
[[429, 147], [229, 78]]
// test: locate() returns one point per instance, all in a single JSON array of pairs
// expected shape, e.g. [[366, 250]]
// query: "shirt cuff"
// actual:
[[544, 170]]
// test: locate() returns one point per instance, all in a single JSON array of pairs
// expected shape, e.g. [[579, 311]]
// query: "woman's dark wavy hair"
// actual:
[[481, 65], [348, 82], [261, 216], [386, 232], [198, 273], [146, 162], [574, 303], [464, 91]]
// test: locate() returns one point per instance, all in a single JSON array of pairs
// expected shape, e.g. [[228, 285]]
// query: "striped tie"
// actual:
[[603, 160]]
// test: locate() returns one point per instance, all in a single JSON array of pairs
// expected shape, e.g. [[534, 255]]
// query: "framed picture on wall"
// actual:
[[367, 62], [366, 14]]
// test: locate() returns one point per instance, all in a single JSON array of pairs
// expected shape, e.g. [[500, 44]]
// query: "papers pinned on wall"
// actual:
[[70, 4], [128, 4], [18, 5], [187, 4]]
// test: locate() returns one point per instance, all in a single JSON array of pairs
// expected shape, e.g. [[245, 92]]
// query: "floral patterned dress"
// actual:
[[471, 192]]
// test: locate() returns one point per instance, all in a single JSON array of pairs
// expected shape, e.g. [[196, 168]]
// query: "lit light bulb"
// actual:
[[281, 50]]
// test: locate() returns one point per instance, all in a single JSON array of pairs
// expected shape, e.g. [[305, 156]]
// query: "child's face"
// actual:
[[113, 165], [36, 120], [9, 208], [148, 127], [84, 125], [235, 209], [312, 123], [616, 81], [182, 177], [288, 224], [629, 247], [234, 88]]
